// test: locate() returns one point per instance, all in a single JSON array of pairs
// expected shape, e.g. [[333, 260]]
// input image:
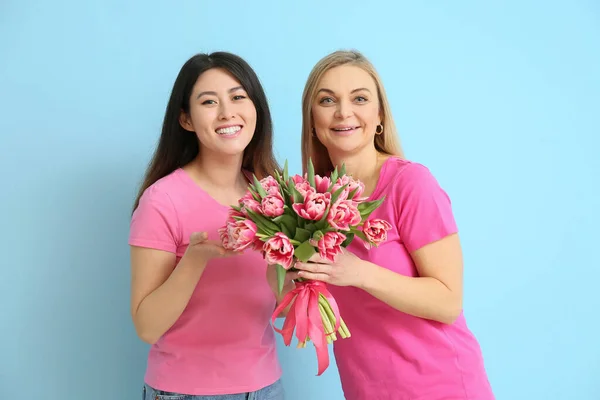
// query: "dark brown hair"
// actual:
[[177, 147]]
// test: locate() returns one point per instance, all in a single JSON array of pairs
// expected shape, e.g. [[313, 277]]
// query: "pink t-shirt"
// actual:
[[393, 355], [223, 342]]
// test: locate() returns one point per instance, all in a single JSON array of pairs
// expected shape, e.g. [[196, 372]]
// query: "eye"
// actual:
[[361, 99], [239, 97], [326, 100], [207, 102]]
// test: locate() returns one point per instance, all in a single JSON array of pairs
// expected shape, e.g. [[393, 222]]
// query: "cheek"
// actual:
[[321, 116], [250, 114], [370, 115], [202, 117]]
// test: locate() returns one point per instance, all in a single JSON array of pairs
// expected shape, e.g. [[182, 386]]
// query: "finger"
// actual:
[[198, 237], [314, 276], [316, 258], [313, 267], [290, 276]]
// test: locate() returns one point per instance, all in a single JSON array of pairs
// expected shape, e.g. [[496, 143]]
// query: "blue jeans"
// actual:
[[271, 392]]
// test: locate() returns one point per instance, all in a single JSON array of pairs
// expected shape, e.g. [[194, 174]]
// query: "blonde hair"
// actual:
[[387, 142]]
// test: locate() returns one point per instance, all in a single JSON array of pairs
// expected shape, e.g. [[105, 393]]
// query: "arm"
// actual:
[[159, 292], [427, 229], [435, 294]]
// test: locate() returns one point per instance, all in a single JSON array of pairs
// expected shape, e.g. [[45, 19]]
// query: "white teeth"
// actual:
[[342, 129], [229, 131]]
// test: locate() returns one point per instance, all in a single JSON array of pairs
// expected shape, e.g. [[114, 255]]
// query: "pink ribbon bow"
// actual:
[[305, 316]]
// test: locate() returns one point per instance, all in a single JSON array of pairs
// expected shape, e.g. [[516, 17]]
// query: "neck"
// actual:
[[217, 170], [364, 165]]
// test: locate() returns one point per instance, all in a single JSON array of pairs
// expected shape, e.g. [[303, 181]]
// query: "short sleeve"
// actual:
[[425, 214], [154, 222]]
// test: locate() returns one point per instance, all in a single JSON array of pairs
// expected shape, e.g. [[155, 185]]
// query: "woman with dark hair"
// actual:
[[204, 310]]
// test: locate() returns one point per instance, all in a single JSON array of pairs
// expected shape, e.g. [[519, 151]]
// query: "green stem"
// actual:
[[343, 329], [327, 325]]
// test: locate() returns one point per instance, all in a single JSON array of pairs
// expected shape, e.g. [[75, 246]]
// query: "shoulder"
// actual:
[[404, 174], [164, 189], [155, 221], [159, 197]]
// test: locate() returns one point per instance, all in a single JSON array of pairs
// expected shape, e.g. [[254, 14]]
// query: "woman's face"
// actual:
[[221, 113], [345, 110]]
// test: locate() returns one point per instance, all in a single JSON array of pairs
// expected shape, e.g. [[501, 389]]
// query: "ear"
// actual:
[[185, 122]]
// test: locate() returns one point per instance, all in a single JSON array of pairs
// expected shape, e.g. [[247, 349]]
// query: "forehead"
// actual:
[[346, 78], [216, 79]]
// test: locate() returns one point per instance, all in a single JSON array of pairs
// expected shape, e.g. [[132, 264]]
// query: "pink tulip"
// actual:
[[279, 250], [375, 231], [343, 214], [224, 236], [314, 206], [330, 245], [302, 185], [242, 234], [270, 185], [352, 185], [272, 205], [322, 184], [250, 204]]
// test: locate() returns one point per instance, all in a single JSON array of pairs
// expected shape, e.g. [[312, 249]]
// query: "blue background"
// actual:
[[501, 101]]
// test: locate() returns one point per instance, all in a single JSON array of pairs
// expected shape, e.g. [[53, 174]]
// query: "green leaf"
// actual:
[[259, 219], [285, 171], [361, 235], [288, 221], [333, 177], [280, 277], [302, 235], [343, 170], [311, 174], [367, 207], [311, 227], [304, 251], [317, 235], [254, 194], [261, 191], [279, 179], [322, 224], [286, 231], [337, 193], [297, 197], [353, 192], [349, 238]]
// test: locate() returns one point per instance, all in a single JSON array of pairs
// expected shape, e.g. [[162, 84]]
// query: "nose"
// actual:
[[343, 110], [225, 111]]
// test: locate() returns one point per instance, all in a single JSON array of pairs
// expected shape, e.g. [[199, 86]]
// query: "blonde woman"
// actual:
[[403, 299]]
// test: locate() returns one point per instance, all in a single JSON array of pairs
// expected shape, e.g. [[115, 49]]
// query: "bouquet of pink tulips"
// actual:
[[293, 218]]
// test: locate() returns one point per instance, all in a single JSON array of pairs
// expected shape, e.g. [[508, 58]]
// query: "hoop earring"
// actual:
[[379, 128]]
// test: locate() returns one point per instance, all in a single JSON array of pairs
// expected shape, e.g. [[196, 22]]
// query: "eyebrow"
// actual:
[[234, 89], [331, 91]]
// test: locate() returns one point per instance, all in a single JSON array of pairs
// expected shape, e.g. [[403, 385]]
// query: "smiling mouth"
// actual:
[[345, 129], [230, 130]]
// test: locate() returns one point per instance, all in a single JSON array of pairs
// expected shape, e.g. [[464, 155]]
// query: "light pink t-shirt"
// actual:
[[223, 342], [393, 355]]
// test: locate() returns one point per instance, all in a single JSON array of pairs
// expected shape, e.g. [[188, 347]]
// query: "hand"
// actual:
[[206, 249], [347, 270], [288, 283]]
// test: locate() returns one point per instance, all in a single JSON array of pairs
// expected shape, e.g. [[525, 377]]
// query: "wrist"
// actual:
[[368, 275]]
